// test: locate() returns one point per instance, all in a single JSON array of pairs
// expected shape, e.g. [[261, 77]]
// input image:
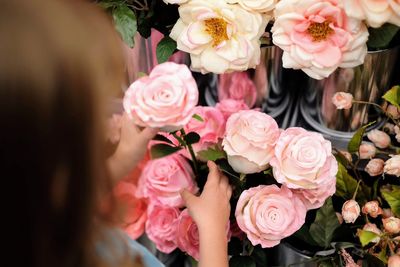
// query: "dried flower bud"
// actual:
[[391, 225], [350, 211]]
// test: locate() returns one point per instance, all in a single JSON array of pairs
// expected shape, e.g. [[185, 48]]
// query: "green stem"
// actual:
[[355, 192], [378, 106], [192, 154]]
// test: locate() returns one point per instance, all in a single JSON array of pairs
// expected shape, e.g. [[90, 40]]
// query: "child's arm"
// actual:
[[211, 212]]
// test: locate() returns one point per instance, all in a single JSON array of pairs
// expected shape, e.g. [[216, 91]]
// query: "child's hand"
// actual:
[[211, 209], [131, 148]]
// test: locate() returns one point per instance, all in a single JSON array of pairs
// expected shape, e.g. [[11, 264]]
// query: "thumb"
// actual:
[[188, 197], [147, 134]]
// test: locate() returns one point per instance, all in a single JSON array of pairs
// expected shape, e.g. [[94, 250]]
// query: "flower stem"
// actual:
[[192, 154], [355, 192], [378, 106]]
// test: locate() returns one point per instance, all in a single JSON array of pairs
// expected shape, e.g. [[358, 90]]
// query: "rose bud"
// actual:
[[347, 155], [350, 211], [386, 213], [372, 209], [389, 128], [342, 100], [391, 225], [379, 138], [393, 111], [394, 261], [371, 227], [375, 167], [392, 166], [367, 151]]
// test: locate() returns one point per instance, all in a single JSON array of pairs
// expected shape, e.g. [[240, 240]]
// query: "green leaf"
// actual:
[[259, 256], [355, 141], [192, 138], [165, 48], [393, 96], [325, 224], [304, 234], [162, 138], [125, 23], [241, 261], [372, 261], [366, 237], [162, 150], [198, 117], [326, 263], [392, 197], [380, 38], [212, 154], [345, 183]]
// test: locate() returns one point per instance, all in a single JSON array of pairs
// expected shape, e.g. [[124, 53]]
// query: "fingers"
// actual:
[[147, 134], [214, 174], [187, 197]]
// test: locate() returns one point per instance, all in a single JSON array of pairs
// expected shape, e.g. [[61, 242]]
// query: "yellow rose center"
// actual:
[[216, 28], [320, 31]]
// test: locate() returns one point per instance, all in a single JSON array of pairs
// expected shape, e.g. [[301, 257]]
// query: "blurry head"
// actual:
[[58, 60]]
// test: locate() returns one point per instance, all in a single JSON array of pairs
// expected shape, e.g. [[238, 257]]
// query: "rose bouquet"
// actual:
[[279, 177], [226, 35]]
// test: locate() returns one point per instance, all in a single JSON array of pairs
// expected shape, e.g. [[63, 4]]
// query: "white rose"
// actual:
[[179, 2], [256, 5], [219, 37]]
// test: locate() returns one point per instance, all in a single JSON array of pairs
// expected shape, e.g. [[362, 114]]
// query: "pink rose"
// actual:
[[236, 231], [350, 211], [394, 261], [317, 37], [392, 166], [249, 141], [161, 227], [372, 209], [367, 151], [379, 138], [391, 225], [162, 180], [134, 209], [315, 198], [211, 129], [371, 227], [114, 128], [188, 235], [303, 160], [342, 100], [238, 86], [164, 99], [393, 112], [375, 167], [268, 214], [230, 106]]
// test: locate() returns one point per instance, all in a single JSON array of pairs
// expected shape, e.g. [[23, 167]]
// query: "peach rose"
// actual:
[[230, 106], [392, 166], [161, 227], [162, 180], [211, 129], [219, 37], [238, 86], [394, 261], [318, 37], [350, 211], [379, 138], [315, 198], [372, 209], [249, 141], [371, 227], [303, 160], [134, 209], [267, 214], [367, 151], [375, 167], [188, 235], [391, 225], [375, 13], [342, 100], [165, 99]]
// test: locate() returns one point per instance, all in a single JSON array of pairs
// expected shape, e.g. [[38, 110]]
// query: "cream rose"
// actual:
[[318, 37], [303, 160], [249, 141], [256, 5], [219, 37], [165, 99]]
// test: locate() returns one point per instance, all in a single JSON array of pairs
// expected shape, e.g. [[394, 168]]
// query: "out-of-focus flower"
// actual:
[[392, 166], [238, 86], [391, 225], [230, 106], [394, 261]]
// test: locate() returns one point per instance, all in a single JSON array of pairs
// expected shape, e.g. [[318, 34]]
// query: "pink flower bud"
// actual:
[[392, 166], [342, 100], [393, 111], [394, 261], [389, 128], [372, 209], [375, 167], [347, 155], [379, 138], [386, 213], [391, 225], [350, 211], [367, 151], [371, 227]]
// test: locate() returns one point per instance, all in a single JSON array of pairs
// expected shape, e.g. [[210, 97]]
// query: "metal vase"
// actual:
[[367, 82], [285, 255]]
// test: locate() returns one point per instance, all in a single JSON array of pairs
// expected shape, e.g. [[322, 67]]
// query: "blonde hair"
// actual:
[[58, 62]]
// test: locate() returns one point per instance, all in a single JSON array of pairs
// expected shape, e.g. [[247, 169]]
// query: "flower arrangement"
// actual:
[[226, 35]]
